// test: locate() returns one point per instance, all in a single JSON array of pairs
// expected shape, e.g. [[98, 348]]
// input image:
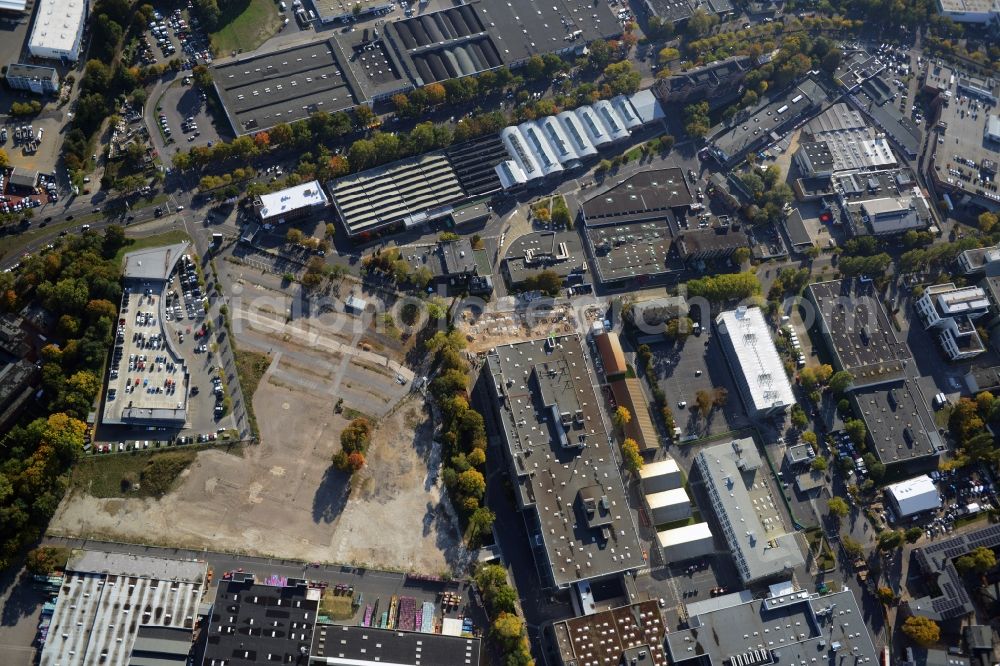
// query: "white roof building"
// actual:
[[596, 132], [58, 30], [520, 154], [560, 143], [291, 201], [915, 496], [13, 5], [540, 148], [669, 505], [755, 362], [661, 475], [686, 542], [627, 111], [577, 135], [612, 121]]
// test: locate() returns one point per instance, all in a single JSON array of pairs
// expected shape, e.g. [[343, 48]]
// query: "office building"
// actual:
[[626, 635], [756, 366], [33, 78], [980, 12], [342, 645], [562, 459], [951, 312], [750, 519], [789, 626], [948, 600]]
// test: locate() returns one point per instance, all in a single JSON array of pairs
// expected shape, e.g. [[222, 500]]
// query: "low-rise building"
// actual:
[[757, 368], [626, 635], [980, 261], [951, 313], [886, 216], [686, 542], [612, 356], [343, 645], [717, 241], [661, 475], [914, 496], [33, 78], [948, 599], [291, 203], [788, 626], [718, 82], [982, 12], [649, 316], [761, 550], [668, 506], [559, 252], [57, 33], [253, 622], [901, 430]]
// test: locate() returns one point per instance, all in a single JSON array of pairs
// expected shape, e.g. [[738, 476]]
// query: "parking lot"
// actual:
[[175, 35], [162, 361], [698, 365], [185, 118]]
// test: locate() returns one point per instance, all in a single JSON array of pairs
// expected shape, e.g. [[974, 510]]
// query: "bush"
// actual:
[[46, 559], [162, 470]]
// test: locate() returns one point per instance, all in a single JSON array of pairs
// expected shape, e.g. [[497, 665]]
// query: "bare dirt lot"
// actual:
[[282, 497]]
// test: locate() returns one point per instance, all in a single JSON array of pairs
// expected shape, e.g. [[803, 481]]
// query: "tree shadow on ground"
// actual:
[[23, 597], [331, 496]]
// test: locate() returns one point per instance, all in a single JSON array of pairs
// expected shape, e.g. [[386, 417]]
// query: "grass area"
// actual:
[[250, 368], [245, 26], [974, 518], [819, 546], [351, 414], [166, 238], [942, 415], [133, 474], [336, 607], [695, 518]]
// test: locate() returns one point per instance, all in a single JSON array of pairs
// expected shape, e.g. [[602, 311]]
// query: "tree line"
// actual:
[[78, 282]]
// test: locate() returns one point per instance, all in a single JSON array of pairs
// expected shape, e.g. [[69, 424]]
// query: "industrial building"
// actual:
[[543, 148], [560, 252], [668, 506], [747, 512], [33, 78], [756, 365], [951, 312], [57, 33], [904, 211], [901, 429], [913, 496], [948, 600], [252, 622], [626, 635], [290, 203], [766, 124], [560, 455], [686, 542], [790, 626], [856, 331], [342, 645], [981, 12], [399, 195], [718, 239], [841, 140], [112, 605], [612, 355]]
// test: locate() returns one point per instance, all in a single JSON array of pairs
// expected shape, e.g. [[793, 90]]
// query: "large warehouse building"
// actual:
[[558, 449], [914, 496], [756, 365], [58, 30]]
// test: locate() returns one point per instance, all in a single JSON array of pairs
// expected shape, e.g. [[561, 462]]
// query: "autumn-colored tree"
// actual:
[[472, 483], [622, 416], [262, 139], [837, 507], [704, 400], [436, 93], [633, 459], [355, 461], [922, 630]]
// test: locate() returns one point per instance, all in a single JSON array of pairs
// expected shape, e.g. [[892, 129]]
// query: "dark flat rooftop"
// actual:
[[399, 648], [936, 562], [605, 637], [543, 248], [558, 443], [254, 623], [474, 162], [900, 428], [261, 91], [864, 343], [625, 251], [648, 195]]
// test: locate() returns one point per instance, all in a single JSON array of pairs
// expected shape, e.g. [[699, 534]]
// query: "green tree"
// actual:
[[840, 381], [913, 534], [987, 221], [851, 547], [819, 464], [856, 430], [471, 483], [678, 329], [480, 524], [980, 560], [890, 539], [837, 507], [46, 559]]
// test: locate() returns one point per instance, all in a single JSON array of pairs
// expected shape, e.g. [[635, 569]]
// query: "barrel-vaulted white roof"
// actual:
[[627, 112], [577, 135], [556, 136], [519, 152], [595, 129], [540, 148], [612, 121]]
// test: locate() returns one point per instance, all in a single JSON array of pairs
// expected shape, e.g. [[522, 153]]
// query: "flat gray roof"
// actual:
[[645, 196], [563, 458], [857, 328], [900, 427], [123, 564], [634, 250], [606, 637], [746, 509], [155, 263], [540, 251], [260, 91], [799, 626]]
